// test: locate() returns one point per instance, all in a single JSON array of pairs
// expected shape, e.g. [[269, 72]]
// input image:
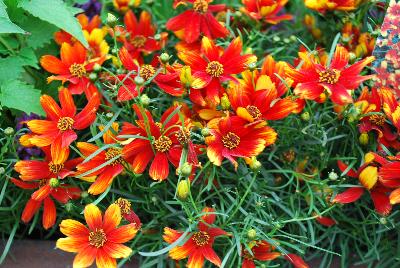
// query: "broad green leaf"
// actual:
[[10, 68], [40, 32], [27, 55], [18, 95], [6, 25], [55, 12]]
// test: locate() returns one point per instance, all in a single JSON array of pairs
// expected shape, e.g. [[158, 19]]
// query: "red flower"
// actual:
[[45, 177], [261, 250], [58, 130], [72, 66], [391, 106], [337, 79], [200, 244], [161, 142], [198, 21], [104, 176], [265, 9], [233, 137], [214, 67]]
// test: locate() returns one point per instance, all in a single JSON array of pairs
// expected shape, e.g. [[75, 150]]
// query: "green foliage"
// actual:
[[6, 25]]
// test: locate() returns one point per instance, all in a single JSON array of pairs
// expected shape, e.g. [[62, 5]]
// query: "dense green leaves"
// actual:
[[18, 95], [6, 25], [55, 12]]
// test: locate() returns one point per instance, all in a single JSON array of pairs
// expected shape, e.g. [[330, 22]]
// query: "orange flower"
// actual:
[[199, 246], [337, 79], [198, 21], [102, 240], [107, 173], [234, 137], [45, 176], [324, 5], [391, 106], [266, 9], [260, 250], [124, 5], [72, 67], [214, 67], [58, 130]]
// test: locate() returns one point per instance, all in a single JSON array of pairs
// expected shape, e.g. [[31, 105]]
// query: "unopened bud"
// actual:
[[252, 234], [54, 182], [305, 116], [93, 77], [333, 176], [84, 194], [145, 100], [185, 170], [139, 81], [252, 66], [364, 138], [164, 58], [157, 37], [2, 170], [97, 67], [183, 189], [205, 132], [383, 220], [69, 206], [255, 164], [9, 131], [225, 103], [109, 115], [111, 20], [276, 38]]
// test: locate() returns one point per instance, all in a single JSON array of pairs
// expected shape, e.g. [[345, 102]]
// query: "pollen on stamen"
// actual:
[[215, 69], [77, 70], [231, 140], [97, 238], [162, 144]]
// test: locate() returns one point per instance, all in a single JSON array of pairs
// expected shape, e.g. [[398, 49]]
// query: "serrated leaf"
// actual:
[[6, 25], [55, 12], [10, 68], [40, 32], [27, 55], [18, 95]]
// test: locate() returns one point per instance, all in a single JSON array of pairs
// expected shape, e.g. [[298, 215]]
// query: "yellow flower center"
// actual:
[[162, 144], [200, 6], [55, 168], [114, 152], [138, 41], [215, 69], [183, 136], [147, 71], [97, 238], [65, 123], [201, 238], [329, 76], [124, 205], [77, 70], [254, 111], [231, 140], [377, 119]]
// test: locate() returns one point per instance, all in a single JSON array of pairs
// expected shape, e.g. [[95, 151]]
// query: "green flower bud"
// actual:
[[139, 81], [252, 66], [164, 58], [9, 131], [183, 189], [54, 182], [109, 115], [185, 170], [225, 103], [205, 132], [93, 77], [383, 220], [252, 234], [97, 67], [69, 207], [2, 170], [157, 37], [145, 100], [111, 20], [305, 116], [333, 176], [364, 138], [84, 194]]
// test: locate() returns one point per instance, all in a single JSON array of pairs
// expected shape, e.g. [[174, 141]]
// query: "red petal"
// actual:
[[349, 196]]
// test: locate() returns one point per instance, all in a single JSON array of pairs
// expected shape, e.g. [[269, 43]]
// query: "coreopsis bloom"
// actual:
[[104, 176], [72, 67], [127, 212], [58, 130], [198, 21], [337, 79], [261, 250], [199, 247], [98, 47], [324, 5], [391, 106], [138, 36], [87, 24], [234, 137], [267, 10], [389, 174], [369, 103], [163, 148], [44, 177], [368, 176], [101, 240], [124, 5], [214, 67], [361, 44]]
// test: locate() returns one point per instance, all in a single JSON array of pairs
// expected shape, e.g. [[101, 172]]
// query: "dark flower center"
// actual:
[[231, 140], [77, 70], [124, 205], [97, 238], [55, 168], [377, 119], [114, 152], [215, 69], [329, 76], [201, 238]]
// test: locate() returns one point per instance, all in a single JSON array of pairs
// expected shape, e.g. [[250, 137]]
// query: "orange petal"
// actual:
[[73, 228], [196, 260], [112, 218], [42, 126], [53, 65], [369, 176], [395, 197], [243, 113], [49, 213], [122, 234], [30, 209], [67, 102], [103, 260], [85, 257], [41, 193], [50, 106], [117, 250], [72, 244], [93, 217], [86, 148], [171, 235]]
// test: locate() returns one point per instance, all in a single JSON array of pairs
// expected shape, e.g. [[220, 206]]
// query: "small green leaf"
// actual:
[[6, 25], [55, 12], [18, 95]]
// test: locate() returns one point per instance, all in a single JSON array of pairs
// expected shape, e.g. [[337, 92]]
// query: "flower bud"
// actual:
[[9, 131], [276, 38], [157, 37], [333, 176], [252, 234], [305, 116], [54, 182], [185, 170], [364, 138], [93, 77], [145, 100], [205, 132], [252, 66], [164, 58], [383, 220], [97, 67], [225, 103], [255, 164], [139, 81], [183, 189], [109, 115], [111, 20], [69, 207]]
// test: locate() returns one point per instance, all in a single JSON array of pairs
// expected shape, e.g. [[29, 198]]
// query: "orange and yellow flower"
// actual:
[[125, 5], [58, 130], [268, 10], [328, 5], [337, 79], [101, 240], [234, 137], [199, 247], [198, 21], [214, 67]]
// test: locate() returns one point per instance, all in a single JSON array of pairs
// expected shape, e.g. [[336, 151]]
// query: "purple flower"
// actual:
[[25, 153], [91, 8]]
